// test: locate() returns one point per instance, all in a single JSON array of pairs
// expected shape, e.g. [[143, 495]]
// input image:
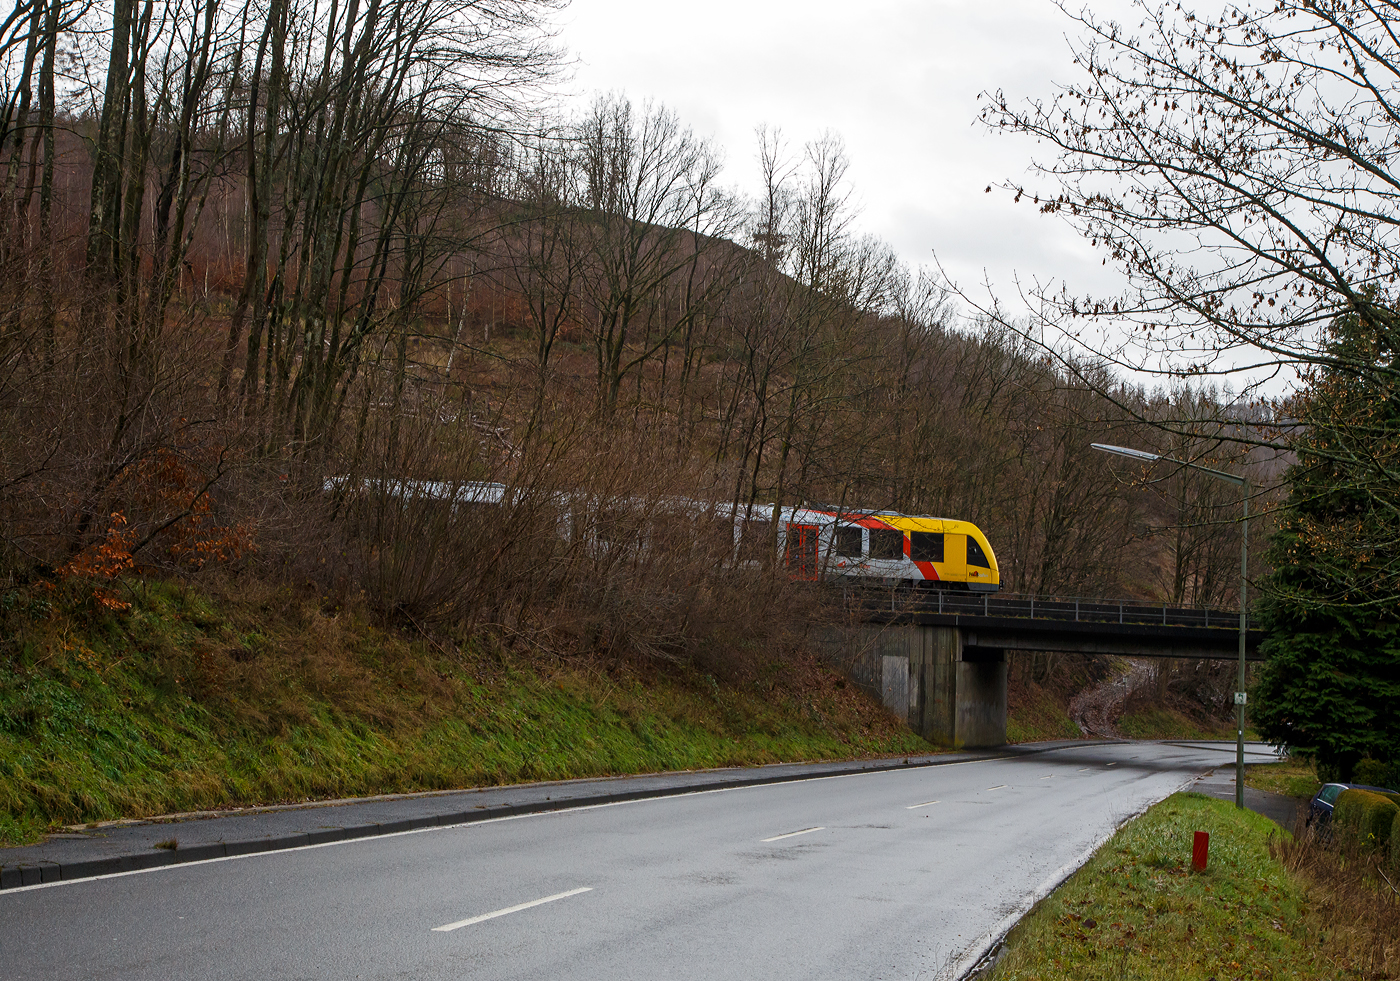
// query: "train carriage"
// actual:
[[888, 548]]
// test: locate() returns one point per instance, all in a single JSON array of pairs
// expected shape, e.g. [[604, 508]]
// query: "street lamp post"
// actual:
[[1243, 483]]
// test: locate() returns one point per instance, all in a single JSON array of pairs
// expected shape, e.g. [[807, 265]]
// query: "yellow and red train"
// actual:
[[885, 547]]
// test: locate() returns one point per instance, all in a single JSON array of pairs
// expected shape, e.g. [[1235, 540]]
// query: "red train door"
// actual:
[[801, 551]]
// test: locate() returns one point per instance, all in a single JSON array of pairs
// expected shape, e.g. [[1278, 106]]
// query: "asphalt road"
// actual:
[[901, 874]]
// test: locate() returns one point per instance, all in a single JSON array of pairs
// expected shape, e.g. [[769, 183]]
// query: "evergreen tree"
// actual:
[[1331, 684]]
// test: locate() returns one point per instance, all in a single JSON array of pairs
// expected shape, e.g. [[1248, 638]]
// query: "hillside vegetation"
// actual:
[[194, 700]]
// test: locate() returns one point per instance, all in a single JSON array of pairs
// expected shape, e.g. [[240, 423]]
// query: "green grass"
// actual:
[[188, 703], [1293, 778], [1039, 716], [1137, 910], [1165, 723]]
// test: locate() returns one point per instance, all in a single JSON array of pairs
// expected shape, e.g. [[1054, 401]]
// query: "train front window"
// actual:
[[926, 546], [886, 543], [975, 555], [848, 542]]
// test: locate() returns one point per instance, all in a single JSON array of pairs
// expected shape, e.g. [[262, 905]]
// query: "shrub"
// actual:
[[1377, 820], [1346, 811], [1395, 841], [1366, 816], [1376, 773]]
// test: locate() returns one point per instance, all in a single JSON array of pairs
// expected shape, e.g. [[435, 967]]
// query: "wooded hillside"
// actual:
[[282, 244]]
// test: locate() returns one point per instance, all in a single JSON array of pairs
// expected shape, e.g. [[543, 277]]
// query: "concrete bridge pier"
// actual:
[[949, 693]]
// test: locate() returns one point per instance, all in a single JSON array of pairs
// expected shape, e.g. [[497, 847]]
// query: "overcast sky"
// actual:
[[898, 80]]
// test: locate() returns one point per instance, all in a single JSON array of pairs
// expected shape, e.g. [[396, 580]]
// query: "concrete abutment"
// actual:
[[949, 693]]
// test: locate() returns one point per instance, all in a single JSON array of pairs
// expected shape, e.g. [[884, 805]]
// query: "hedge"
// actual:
[[1395, 841], [1368, 816]]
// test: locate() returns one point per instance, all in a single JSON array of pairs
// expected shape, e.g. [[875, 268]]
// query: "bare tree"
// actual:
[[358, 121], [654, 209], [543, 252], [1239, 169]]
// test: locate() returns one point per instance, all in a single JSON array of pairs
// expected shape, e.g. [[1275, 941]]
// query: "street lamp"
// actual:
[[1243, 483]]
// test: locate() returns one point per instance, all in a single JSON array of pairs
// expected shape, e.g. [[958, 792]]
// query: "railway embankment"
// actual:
[[205, 699]]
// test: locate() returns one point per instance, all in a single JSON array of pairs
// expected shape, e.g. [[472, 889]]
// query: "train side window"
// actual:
[[926, 546], [975, 555], [886, 543], [848, 542]]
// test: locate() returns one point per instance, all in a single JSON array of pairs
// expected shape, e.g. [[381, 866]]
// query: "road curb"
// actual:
[[36, 873]]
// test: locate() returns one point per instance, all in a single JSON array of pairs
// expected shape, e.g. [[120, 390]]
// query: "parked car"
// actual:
[[1320, 810]]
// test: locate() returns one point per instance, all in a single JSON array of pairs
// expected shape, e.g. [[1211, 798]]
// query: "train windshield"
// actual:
[[975, 555]]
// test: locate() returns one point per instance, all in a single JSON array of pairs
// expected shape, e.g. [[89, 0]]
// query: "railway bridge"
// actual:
[[938, 659]]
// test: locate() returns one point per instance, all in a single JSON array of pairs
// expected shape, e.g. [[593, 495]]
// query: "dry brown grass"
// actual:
[[1354, 909]]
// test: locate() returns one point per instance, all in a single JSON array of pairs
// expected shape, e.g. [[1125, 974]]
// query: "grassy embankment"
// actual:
[[1042, 713], [1137, 910], [188, 701], [1268, 905], [1039, 714], [1171, 723]]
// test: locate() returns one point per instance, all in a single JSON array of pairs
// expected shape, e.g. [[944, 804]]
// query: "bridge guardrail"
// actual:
[[1056, 608]]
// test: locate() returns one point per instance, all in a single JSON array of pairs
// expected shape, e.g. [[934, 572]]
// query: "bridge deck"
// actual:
[[1014, 622]]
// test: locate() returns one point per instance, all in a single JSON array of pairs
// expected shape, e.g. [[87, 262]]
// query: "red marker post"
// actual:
[[1200, 851]]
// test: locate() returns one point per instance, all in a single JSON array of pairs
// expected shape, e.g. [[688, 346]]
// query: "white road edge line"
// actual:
[[1000, 786], [449, 927], [793, 834], [924, 804]]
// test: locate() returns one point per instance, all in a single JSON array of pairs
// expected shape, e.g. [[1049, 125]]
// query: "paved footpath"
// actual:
[[127, 846]]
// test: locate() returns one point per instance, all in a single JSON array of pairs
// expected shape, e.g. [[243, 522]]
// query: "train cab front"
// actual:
[[983, 574]]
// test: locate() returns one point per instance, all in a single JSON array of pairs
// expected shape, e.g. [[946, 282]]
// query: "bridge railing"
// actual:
[[1058, 608]]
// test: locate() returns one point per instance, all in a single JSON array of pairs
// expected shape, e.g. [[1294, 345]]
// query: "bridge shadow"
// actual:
[[1090, 754]]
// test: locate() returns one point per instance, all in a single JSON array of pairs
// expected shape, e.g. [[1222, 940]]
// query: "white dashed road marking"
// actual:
[[793, 834], [447, 927]]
